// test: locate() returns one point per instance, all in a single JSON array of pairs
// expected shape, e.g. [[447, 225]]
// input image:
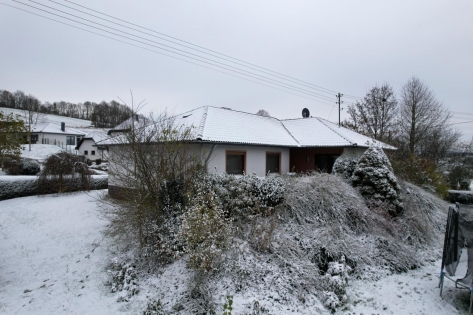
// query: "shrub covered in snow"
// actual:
[[205, 231], [123, 279], [345, 165], [248, 194], [335, 282], [23, 166], [22, 186], [375, 179], [62, 171], [299, 257]]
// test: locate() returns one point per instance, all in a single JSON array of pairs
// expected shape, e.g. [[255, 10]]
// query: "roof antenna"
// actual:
[[305, 113]]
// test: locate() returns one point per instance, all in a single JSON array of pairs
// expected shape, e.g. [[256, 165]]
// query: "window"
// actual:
[[70, 140], [273, 162], [34, 139], [45, 141], [86, 152], [324, 163], [92, 152], [235, 162]]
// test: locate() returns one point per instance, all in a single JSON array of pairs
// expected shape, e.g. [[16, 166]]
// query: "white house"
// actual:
[[237, 142], [87, 146], [60, 135]]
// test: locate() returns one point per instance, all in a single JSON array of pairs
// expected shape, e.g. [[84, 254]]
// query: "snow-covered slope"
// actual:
[[70, 122], [39, 152], [54, 261]]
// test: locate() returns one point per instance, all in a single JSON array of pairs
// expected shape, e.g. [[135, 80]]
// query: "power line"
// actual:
[[331, 91], [269, 72], [203, 66], [463, 122], [210, 61]]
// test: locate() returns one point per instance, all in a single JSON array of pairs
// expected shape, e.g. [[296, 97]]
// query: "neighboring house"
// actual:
[[136, 121], [88, 147], [235, 142], [59, 135]]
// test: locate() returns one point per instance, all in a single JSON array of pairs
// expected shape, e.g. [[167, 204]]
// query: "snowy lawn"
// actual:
[[54, 261], [39, 152], [53, 256]]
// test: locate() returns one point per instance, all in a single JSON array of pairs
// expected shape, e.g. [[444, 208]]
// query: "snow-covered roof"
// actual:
[[53, 128], [223, 125], [318, 132], [96, 136], [137, 120]]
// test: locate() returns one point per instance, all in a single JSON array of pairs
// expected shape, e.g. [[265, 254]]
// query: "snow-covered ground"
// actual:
[[39, 152], [54, 258], [79, 124], [70, 122]]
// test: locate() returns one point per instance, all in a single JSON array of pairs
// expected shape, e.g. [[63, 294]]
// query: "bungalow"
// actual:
[[88, 147], [60, 135], [236, 142]]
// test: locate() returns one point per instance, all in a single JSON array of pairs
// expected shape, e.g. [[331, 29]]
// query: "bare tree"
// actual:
[[151, 168], [425, 122], [263, 112], [376, 115]]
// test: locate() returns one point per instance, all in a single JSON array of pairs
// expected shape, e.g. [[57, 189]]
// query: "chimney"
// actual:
[[63, 126]]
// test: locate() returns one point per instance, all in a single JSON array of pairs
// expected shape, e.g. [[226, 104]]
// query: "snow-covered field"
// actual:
[[79, 124], [54, 258], [39, 152], [70, 122]]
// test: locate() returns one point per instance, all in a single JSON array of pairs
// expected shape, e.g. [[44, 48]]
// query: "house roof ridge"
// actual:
[[323, 122], [240, 111]]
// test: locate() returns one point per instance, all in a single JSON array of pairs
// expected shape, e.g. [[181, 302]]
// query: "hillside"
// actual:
[[70, 122], [56, 259]]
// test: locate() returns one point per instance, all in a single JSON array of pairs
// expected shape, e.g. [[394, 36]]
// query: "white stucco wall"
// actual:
[[55, 139], [88, 145], [255, 158]]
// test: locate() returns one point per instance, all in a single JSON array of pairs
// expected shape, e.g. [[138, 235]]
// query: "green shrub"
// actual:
[[205, 231], [460, 176]]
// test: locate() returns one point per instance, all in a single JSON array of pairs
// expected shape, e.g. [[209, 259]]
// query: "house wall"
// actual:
[[55, 139], [255, 158], [88, 145]]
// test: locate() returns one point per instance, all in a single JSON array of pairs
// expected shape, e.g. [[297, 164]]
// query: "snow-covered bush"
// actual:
[[248, 194], [205, 231], [345, 165], [62, 171], [22, 166], [375, 179], [154, 308], [29, 167], [335, 282], [123, 279], [18, 187]]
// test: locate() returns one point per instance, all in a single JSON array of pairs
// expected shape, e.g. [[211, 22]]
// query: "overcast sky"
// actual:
[[343, 46]]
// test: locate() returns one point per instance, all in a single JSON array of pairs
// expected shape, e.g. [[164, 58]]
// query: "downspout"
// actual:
[[208, 158]]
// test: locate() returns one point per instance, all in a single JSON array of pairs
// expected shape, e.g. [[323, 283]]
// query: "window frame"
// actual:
[[279, 153], [68, 140], [92, 152], [236, 152]]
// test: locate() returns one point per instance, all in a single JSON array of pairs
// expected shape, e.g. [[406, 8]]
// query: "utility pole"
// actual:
[[339, 102]]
